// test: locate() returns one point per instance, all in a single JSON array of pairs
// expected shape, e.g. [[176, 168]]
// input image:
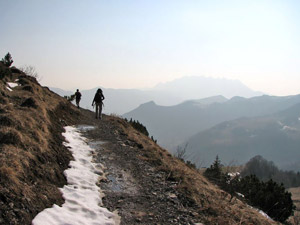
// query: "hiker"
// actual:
[[99, 97], [77, 97]]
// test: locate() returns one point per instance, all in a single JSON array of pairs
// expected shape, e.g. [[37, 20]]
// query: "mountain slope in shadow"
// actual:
[[172, 125], [276, 137]]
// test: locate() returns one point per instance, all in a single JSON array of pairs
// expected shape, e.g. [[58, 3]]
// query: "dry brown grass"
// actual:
[[214, 205], [295, 219], [32, 157]]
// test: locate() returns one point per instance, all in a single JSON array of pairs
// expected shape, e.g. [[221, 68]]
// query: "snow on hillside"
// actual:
[[11, 85], [82, 195]]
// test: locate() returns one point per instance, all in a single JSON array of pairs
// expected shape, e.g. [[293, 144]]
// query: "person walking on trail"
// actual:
[[98, 101], [77, 97]]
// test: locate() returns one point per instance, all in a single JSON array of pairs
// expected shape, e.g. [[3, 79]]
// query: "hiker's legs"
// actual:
[[77, 102], [97, 109], [100, 111]]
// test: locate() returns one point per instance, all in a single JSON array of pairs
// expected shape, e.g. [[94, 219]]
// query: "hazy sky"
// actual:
[[137, 44]]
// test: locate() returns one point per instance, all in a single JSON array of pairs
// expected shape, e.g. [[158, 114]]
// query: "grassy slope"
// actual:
[[295, 220], [32, 157]]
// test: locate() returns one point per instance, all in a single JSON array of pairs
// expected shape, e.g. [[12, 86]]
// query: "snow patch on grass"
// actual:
[[265, 215], [12, 84], [82, 195], [8, 88]]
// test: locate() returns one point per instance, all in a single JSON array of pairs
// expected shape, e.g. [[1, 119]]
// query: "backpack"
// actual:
[[98, 98]]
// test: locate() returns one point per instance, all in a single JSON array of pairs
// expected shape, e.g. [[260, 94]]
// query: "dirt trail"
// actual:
[[146, 185], [132, 185]]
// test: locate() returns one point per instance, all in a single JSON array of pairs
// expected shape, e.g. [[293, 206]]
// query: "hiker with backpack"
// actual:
[[98, 101], [77, 97]]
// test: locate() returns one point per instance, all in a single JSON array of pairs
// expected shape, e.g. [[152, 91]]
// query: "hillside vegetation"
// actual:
[[33, 158], [266, 170]]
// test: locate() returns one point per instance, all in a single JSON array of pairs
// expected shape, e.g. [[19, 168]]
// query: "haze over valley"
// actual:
[[120, 101], [180, 113]]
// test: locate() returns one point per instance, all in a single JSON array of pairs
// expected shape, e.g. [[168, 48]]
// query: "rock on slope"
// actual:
[[32, 160]]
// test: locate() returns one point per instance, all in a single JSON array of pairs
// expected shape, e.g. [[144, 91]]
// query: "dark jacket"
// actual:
[[99, 97], [77, 95]]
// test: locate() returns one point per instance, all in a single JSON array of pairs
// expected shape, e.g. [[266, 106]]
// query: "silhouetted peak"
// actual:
[[237, 99], [148, 104]]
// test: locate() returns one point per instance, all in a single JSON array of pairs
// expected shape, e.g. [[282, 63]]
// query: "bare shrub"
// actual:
[[30, 71], [181, 152]]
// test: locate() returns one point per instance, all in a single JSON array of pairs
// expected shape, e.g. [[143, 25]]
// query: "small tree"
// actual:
[[7, 60], [214, 172], [269, 196], [139, 127]]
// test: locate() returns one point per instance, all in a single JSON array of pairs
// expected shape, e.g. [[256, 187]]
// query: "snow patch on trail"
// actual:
[[82, 195]]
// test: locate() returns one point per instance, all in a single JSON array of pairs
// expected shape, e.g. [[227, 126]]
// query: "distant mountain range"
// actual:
[[172, 125], [195, 87], [236, 128], [276, 137], [120, 101]]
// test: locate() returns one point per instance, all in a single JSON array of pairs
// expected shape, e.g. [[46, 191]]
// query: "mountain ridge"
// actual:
[[172, 125], [120, 101]]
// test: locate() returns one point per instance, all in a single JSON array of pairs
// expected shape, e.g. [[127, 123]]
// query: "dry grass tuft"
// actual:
[[6, 120], [29, 102], [10, 136], [295, 219], [28, 88], [10, 175]]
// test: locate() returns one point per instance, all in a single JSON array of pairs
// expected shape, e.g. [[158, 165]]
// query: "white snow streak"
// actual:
[[289, 128], [265, 215], [82, 196], [8, 88], [12, 85]]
